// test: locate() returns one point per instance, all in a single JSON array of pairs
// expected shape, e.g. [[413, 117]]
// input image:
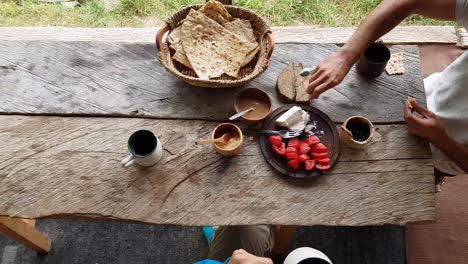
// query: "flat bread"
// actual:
[[395, 64], [180, 55], [216, 11], [242, 28], [212, 49], [174, 36], [249, 57]]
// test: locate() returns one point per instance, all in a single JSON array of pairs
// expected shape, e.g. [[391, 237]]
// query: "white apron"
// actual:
[[447, 97]]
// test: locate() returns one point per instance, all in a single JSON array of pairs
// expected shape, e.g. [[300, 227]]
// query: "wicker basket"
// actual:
[[248, 72]]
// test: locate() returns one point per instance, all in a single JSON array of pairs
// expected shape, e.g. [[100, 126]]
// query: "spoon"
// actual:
[[241, 113], [222, 139], [306, 72]]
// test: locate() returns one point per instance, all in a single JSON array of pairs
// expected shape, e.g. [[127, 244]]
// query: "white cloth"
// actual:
[[447, 97]]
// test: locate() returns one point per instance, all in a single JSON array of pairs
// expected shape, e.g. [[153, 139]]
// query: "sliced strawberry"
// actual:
[[303, 148], [295, 164], [312, 140], [324, 161], [319, 148], [322, 167], [280, 151], [309, 164], [291, 155], [291, 149], [294, 142], [319, 155], [275, 140], [303, 157]]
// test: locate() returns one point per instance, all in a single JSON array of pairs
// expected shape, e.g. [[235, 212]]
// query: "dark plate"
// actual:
[[330, 138]]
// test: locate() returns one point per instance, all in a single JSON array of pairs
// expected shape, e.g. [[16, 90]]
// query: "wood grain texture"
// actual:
[[109, 78], [399, 35], [302, 34], [70, 166]]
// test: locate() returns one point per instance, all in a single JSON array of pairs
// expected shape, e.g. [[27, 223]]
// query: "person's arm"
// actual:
[[455, 151], [241, 256], [387, 15], [430, 127]]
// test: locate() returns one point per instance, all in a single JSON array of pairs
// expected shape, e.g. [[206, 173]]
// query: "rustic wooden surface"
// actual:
[[114, 78], [70, 165], [301, 34]]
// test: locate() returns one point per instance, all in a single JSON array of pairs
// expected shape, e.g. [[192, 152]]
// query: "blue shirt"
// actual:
[[209, 261]]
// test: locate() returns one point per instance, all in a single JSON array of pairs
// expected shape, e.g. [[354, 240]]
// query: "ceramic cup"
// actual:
[[145, 149], [305, 255], [357, 132], [233, 147], [372, 64]]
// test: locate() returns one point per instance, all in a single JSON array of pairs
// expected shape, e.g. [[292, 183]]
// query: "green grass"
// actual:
[[136, 13]]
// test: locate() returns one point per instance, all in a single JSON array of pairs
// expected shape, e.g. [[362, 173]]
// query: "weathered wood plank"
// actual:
[[399, 35], [70, 166], [302, 34], [109, 78]]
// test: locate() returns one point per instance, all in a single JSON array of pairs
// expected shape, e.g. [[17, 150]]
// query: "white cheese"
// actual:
[[302, 123], [290, 117]]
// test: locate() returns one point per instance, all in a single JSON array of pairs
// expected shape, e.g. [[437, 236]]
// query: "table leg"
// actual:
[[282, 237], [23, 231]]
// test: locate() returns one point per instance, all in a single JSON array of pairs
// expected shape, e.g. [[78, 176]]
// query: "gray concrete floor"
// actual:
[[97, 242]]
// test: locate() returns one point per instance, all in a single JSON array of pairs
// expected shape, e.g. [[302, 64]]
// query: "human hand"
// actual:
[[329, 73], [428, 125], [241, 256]]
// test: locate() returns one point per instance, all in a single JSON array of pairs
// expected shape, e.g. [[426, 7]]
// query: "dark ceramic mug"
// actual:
[[374, 60]]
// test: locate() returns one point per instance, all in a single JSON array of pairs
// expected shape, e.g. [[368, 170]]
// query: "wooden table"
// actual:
[[68, 108]]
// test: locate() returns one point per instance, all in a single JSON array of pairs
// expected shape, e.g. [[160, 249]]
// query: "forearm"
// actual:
[[387, 15], [457, 152]]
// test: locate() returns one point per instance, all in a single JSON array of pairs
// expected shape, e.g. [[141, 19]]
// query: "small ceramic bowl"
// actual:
[[256, 98], [233, 147], [357, 132]]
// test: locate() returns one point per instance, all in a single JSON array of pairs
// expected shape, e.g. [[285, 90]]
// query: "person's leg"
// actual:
[[257, 240]]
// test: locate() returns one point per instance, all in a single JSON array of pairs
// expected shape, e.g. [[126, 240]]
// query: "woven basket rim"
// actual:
[[164, 53]]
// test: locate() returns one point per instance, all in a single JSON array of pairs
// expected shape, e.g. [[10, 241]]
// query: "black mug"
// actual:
[[374, 60]]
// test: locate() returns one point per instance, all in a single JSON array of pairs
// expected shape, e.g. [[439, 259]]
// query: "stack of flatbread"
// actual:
[[212, 42]]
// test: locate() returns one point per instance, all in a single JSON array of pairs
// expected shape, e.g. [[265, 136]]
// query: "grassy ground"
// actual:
[[138, 13]]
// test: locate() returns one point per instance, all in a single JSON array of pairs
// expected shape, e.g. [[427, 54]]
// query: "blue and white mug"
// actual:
[[145, 149]]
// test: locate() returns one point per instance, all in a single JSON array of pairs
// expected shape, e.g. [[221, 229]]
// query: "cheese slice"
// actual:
[[301, 124], [290, 117]]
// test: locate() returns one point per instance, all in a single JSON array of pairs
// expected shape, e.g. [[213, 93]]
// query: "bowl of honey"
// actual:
[[233, 145]]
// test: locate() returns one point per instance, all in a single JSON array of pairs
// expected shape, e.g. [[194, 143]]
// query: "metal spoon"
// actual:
[[306, 72], [241, 113]]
